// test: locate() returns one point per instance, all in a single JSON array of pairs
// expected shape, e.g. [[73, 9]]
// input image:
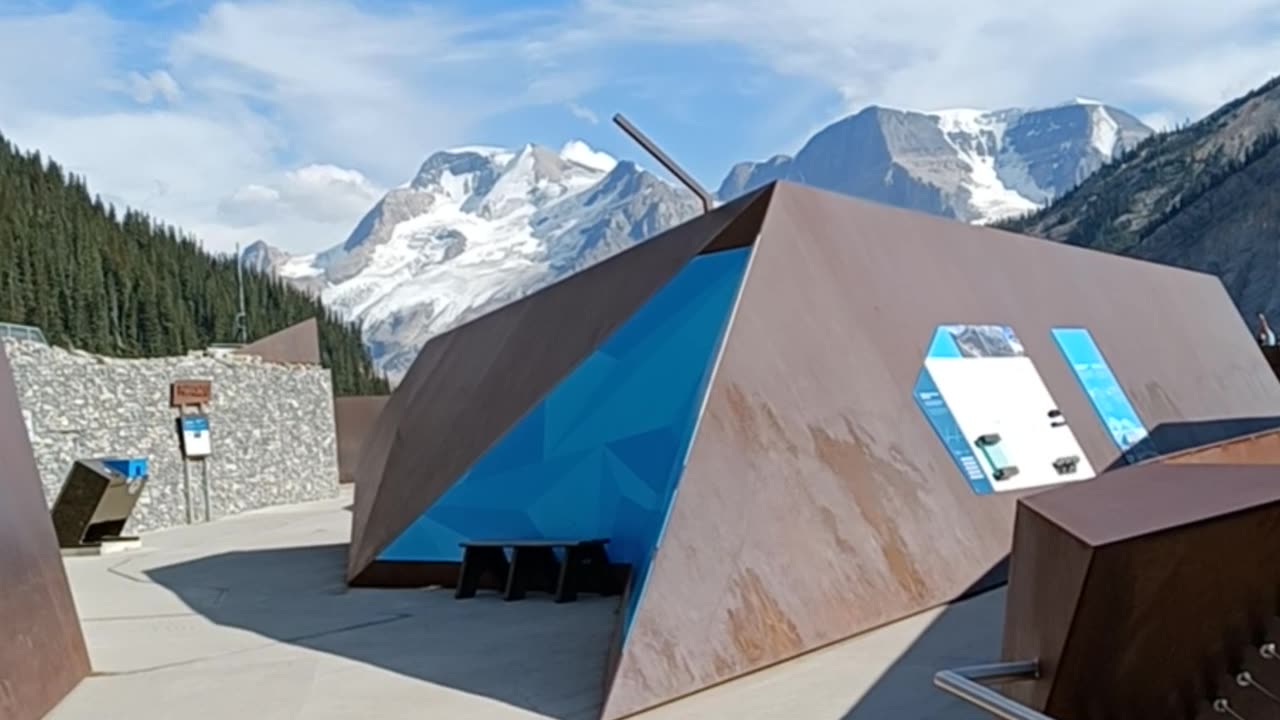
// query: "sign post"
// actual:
[[190, 397]]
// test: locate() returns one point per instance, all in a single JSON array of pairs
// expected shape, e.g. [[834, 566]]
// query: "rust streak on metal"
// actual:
[[848, 458], [757, 624]]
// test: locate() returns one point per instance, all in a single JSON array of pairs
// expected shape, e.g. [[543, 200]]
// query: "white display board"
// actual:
[[196, 442], [1005, 396], [991, 408]]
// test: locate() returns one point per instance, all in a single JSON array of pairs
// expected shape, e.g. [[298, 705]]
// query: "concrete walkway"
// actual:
[[249, 617]]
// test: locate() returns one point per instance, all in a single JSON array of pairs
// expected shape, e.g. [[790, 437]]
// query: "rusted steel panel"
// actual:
[[467, 387], [297, 344], [1256, 449], [42, 650], [354, 417], [1181, 575], [817, 502]]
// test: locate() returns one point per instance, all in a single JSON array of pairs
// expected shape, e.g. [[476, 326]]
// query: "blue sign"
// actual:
[[944, 423], [1109, 400], [131, 468], [195, 423]]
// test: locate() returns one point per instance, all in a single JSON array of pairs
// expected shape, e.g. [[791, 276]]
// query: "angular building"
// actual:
[[42, 650], [796, 418]]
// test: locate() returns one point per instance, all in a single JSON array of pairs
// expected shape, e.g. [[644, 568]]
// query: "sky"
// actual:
[[286, 120]]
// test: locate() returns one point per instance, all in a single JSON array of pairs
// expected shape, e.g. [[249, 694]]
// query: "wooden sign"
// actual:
[[190, 392]]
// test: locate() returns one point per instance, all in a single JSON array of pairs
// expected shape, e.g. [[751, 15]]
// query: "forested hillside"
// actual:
[[127, 286], [1205, 197]]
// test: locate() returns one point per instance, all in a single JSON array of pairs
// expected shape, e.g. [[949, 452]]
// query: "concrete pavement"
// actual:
[[249, 617]]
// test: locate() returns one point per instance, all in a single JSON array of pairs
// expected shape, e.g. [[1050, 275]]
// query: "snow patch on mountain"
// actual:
[[976, 137], [476, 228], [972, 165]]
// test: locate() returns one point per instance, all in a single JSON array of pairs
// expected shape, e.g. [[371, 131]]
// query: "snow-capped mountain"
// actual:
[[479, 227], [476, 228], [973, 165]]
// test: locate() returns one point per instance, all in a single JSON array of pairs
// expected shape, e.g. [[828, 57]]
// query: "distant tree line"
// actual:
[[1100, 210], [121, 284], [1221, 168]]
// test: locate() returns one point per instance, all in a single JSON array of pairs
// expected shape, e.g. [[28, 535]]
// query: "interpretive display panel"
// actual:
[[991, 409]]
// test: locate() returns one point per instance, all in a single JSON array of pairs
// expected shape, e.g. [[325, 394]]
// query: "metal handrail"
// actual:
[[966, 684]]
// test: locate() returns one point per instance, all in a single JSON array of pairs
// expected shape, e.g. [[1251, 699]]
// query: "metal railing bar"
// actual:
[[966, 684]]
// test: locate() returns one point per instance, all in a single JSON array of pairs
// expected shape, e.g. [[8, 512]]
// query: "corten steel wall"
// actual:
[[297, 344], [1142, 593], [817, 502], [469, 386], [1256, 449], [42, 651], [354, 417]]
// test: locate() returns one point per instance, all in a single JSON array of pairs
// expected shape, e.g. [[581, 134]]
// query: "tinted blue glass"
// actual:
[[601, 454]]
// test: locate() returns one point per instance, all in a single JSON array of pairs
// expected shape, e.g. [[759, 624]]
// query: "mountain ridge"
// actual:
[[1201, 197], [974, 165], [478, 226]]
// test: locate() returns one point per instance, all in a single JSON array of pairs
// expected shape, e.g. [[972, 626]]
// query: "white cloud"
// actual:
[[155, 84], [281, 95], [928, 54], [284, 119], [583, 113], [298, 201]]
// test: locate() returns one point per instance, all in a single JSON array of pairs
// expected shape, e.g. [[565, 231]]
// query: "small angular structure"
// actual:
[[42, 651], [797, 417], [1141, 594], [297, 344], [353, 419]]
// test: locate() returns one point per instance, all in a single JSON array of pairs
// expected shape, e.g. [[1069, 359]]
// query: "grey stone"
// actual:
[[271, 426]]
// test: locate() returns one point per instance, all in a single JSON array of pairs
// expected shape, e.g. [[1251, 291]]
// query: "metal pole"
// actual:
[[204, 478], [965, 684], [708, 202], [186, 489], [242, 318]]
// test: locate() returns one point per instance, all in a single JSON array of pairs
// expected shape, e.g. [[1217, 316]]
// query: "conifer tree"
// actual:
[[115, 281]]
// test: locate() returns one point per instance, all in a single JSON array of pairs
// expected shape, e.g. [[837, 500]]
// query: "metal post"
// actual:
[[186, 490], [708, 202], [204, 478], [966, 683], [241, 328]]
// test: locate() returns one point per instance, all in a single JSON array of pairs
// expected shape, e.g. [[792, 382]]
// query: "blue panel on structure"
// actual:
[[935, 409], [600, 456], [1105, 394], [131, 467]]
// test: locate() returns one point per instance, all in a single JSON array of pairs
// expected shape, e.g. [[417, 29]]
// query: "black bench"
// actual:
[[534, 566]]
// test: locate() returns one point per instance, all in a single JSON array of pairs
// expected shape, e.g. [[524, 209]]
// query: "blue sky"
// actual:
[[315, 107]]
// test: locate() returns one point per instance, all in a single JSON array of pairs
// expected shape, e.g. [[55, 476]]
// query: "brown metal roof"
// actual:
[[299, 343], [1170, 495], [469, 386], [817, 502]]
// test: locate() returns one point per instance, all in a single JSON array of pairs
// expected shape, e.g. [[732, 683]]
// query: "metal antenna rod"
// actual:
[[242, 318], [708, 202]]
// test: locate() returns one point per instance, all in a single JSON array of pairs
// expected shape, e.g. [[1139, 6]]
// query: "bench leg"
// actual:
[[530, 566], [600, 570], [476, 561], [585, 567], [567, 585]]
